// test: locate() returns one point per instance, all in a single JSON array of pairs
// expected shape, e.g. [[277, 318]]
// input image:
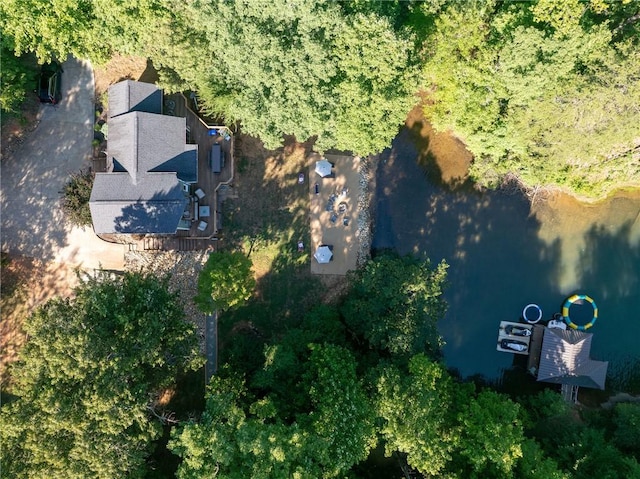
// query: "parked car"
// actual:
[[49, 83]]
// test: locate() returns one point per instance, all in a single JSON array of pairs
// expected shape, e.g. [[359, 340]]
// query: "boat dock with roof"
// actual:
[[556, 354]]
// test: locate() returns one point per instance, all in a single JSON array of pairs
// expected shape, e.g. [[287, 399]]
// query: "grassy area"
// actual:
[[266, 219]]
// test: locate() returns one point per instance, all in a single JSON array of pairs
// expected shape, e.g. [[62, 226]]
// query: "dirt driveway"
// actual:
[[32, 221]]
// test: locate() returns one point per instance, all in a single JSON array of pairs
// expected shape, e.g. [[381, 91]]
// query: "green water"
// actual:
[[505, 252]]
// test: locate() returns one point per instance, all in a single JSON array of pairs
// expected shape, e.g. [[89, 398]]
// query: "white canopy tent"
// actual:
[[323, 167], [323, 254]]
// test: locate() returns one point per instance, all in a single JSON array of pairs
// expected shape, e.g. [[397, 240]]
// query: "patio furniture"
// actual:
[[199, 193], [334, 218], [215, 158], [300, 178], [342, 207], [204, 211], [202, 226], [345, 221]]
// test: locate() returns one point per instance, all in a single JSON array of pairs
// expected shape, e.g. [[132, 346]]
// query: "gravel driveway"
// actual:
[[32, 221]]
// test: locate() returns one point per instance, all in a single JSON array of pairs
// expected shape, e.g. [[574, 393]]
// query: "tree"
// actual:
[[626, 419], [238, 438], [394, 303], [415, 413], [67, 27], [492, 436], [307, 70], [75, 198], [16, 78], [541, 90], [226, 280], [535, 465], [286, 360], [88, 377]]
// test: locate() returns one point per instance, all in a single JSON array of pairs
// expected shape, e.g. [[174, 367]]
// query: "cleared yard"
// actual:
[[334, 213]]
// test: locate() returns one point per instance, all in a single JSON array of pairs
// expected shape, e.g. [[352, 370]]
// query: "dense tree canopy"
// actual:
[[544, 90], [416, 422], [89, 373], [237, 438], [16, 78], [300, 68], [394, 304]]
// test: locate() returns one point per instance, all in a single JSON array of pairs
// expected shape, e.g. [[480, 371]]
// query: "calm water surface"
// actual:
[[505, 252]]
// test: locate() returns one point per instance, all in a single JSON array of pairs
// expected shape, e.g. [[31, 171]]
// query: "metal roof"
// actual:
[[564, 359]]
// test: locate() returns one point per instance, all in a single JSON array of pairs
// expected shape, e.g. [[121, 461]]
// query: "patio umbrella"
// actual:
[[323, 254], [323, 168]]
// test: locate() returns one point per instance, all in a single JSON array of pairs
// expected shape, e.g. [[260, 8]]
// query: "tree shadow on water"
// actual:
[[609, 271], [497, 263]]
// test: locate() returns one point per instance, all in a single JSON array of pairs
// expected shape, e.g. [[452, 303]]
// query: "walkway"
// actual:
[[211, 346]]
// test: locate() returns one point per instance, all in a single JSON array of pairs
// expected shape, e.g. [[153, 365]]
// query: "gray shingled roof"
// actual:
[[564, 359], [154, 205], [142, 142], [146, 156], [130, 95]]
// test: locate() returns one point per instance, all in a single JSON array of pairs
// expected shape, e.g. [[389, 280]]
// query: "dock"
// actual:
[[521, 340], [535, 348]]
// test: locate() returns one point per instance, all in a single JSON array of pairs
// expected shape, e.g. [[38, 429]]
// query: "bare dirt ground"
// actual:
[[26, 284], [122, 68], [15, 128]]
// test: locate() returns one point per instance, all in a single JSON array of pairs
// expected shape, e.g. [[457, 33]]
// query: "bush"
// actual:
[[75, 198]]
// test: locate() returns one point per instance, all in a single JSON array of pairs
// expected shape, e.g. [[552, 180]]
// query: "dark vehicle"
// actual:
[[513, 344], [517, 331], [49, 83]]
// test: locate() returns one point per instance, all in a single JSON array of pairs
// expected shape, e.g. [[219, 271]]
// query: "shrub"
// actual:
[[75, 198]]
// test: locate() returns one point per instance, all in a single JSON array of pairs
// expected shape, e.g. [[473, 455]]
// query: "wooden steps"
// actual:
[[159, 243]]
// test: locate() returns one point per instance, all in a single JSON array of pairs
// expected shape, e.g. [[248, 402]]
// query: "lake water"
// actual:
[[505, 252]]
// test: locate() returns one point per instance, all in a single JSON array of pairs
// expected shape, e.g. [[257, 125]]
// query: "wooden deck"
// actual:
[[198, 133]]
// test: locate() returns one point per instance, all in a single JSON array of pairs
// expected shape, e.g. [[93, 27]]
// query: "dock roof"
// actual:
[[564, 359]]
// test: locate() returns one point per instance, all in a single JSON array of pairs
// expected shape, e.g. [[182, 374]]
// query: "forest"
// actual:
[[548, 91], [351, 389], [545, 90]]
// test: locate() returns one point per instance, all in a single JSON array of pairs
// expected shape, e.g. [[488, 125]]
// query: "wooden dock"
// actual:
[[535, 347], [502, 334]]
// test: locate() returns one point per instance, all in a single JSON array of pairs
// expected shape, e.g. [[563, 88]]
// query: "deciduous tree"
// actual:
[[394, 304], [226, 280], [238, 438], [75, 198], [88, 376], [415, 408]]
